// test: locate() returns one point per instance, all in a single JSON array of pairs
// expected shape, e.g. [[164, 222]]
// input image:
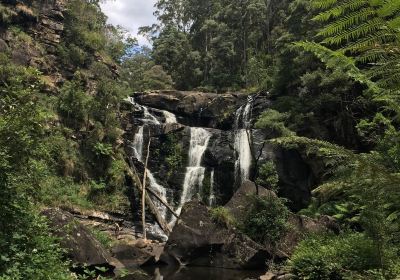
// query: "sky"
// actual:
[[130, 14]]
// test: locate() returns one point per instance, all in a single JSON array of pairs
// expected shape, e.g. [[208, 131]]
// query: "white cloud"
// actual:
[[130, 14]]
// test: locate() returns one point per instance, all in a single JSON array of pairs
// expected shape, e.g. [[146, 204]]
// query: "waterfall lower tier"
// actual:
[[199, 138], [242, 142], [242, 147], [211, 199], [137, 145]]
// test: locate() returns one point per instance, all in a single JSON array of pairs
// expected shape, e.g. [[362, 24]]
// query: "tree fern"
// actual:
[[347, 21], [339, 10], [336, 59], [389, 8]]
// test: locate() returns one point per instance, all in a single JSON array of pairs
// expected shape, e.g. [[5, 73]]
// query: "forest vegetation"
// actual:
[[331, 69]]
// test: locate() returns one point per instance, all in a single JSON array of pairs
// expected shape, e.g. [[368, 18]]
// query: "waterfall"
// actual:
[[242, 143], [169, 117], [137, 147], [199, 138], [211, 199]]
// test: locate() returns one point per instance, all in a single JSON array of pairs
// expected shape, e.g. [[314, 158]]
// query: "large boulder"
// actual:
[[197, 241], [220, 161], [240, 202], [298, 174], [132, 256], [82, 248]]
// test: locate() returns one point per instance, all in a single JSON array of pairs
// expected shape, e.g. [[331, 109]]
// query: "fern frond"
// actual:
[[335, 60], [372, 55], [323, 4], [374, 40], [347, 21], [355, 32], [394, 23], [389, 8], [328, 191], [337, 11]]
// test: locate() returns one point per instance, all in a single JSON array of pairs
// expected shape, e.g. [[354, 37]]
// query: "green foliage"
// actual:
[[27, 250], [73, 104], [215, 44], [268, 176], [266, 220], [174, 153], [274, 120], [103, 237], [345, 256], [6, 14], [222, 216]]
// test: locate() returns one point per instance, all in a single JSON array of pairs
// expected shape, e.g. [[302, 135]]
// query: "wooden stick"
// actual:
[[165, 203], [144, 189], [160, 220]]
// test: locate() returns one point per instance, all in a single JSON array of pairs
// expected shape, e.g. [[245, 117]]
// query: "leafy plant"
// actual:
[[268, 176], [266, 220], [222, 216], [346, 256]]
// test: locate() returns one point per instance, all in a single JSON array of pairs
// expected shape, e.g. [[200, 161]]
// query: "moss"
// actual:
[[6, 14], [221, 216], [174, 154], [206, 188]]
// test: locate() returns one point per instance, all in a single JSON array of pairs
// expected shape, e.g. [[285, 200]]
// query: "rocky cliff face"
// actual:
[[168, 118], [43, 21]]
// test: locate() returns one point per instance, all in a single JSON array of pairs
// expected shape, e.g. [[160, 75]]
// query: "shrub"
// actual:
[[275, 121], [336, 257], [267, 176], [103, 237], [221, 216], [266, 220]]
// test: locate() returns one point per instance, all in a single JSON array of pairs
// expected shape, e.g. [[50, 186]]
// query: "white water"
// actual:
[[137, 147], [211, 199], [199, 138], [169, 117], [242, 142]]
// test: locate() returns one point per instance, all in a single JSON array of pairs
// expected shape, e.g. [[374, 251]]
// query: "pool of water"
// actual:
[[197, 273]]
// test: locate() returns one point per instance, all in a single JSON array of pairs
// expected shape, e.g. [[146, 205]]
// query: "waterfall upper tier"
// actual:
[[196, 109]]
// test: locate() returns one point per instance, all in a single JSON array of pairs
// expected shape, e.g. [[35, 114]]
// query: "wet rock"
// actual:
[[297, 177], [197, 241], [286, 277], [195, 108], [268, 276], [241, 202], [3, 46], [132, 256], [82, 247], [220, 158]]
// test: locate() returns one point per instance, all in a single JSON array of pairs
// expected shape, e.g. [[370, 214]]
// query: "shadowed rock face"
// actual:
[[197, 241], [82, 247]]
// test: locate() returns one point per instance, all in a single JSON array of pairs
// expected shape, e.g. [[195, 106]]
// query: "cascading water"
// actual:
[[169, 117], [199, 138], [137, 147], [211, 199], [137, 144], [242, 141]]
